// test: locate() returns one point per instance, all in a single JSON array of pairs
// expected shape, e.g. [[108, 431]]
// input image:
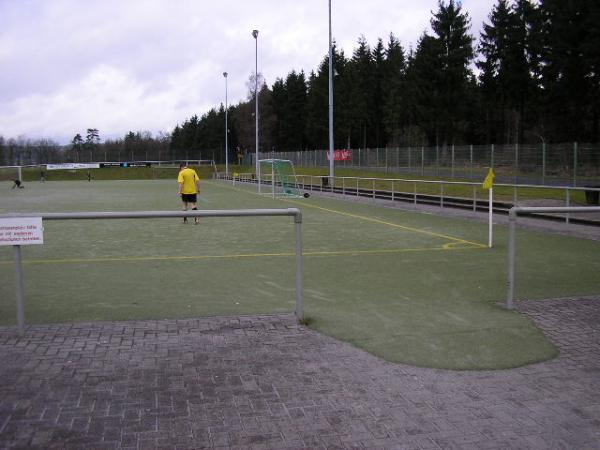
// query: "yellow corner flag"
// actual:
[[235, 174], [489, 179]]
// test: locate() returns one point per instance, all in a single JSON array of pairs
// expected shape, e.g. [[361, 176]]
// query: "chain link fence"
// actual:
[[557, 164], [570, 164]]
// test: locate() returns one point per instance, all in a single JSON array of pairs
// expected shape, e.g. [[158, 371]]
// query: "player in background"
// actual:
[[189, 188]]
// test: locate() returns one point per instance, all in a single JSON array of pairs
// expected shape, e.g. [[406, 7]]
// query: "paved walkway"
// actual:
[[264, 382]]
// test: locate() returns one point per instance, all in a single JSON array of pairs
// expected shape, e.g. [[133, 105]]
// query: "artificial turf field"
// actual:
[[410, 287]]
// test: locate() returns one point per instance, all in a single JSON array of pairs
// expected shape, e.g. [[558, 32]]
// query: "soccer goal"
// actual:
[[280, 175], [11, 173]]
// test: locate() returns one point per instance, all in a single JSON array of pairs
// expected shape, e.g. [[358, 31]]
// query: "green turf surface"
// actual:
[[409, 287]]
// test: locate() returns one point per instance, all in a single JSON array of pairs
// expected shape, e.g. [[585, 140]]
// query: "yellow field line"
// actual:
[[379, 221], [445, 247], [391, 224]]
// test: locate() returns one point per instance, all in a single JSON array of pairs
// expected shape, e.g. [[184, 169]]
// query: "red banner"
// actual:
[[341, 155]]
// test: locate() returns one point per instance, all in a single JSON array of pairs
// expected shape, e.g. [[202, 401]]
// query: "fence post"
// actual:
[[471, 161], [452, 169], [543, 163], [516, 165], [516, 169], [386, 159], [575, 164]]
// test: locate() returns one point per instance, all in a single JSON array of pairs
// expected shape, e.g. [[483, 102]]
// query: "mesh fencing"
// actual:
[[556, 164], [563, 164]]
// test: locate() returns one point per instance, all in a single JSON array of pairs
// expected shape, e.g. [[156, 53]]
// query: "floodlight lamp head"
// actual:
[[255, 33], [225, 74]]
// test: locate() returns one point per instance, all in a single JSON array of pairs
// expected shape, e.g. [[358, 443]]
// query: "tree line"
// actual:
[[532, 76]]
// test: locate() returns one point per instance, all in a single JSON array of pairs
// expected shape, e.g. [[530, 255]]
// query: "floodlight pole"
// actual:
[[331, 152], [255, 35], [226, 131]]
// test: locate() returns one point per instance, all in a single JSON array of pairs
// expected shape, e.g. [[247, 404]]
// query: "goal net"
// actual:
[[279, 175]]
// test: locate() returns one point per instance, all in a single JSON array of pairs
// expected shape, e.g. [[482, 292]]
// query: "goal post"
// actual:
[[11, 173], [280, 176]]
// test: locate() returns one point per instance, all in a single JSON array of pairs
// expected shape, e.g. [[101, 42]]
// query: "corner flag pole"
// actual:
[[488, 184], [490, 218]]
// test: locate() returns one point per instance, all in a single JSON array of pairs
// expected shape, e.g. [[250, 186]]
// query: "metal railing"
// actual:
[[512, 227], [295, 212], [434, 192]]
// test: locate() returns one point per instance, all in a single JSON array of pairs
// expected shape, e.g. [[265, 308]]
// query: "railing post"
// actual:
[[299, 306], [512, 222], [19, 290], [415, 192], [373, 189]]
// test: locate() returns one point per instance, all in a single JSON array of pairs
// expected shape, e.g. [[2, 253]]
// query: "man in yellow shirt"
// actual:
[[189, 187]]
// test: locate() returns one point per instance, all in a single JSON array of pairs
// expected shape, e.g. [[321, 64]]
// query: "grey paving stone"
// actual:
[[263, 382]]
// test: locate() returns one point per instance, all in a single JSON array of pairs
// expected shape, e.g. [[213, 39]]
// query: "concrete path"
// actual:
[[264, 382]]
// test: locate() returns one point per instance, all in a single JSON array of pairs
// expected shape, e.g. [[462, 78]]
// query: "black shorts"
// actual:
[[189, 198]]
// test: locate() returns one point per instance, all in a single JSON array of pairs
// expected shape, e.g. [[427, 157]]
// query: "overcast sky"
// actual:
[[121, 65]]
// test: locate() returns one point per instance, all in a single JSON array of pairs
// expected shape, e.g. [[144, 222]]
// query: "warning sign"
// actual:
[[21, 231]]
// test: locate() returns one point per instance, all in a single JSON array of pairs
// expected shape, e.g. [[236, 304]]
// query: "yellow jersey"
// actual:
[[189, 181]]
